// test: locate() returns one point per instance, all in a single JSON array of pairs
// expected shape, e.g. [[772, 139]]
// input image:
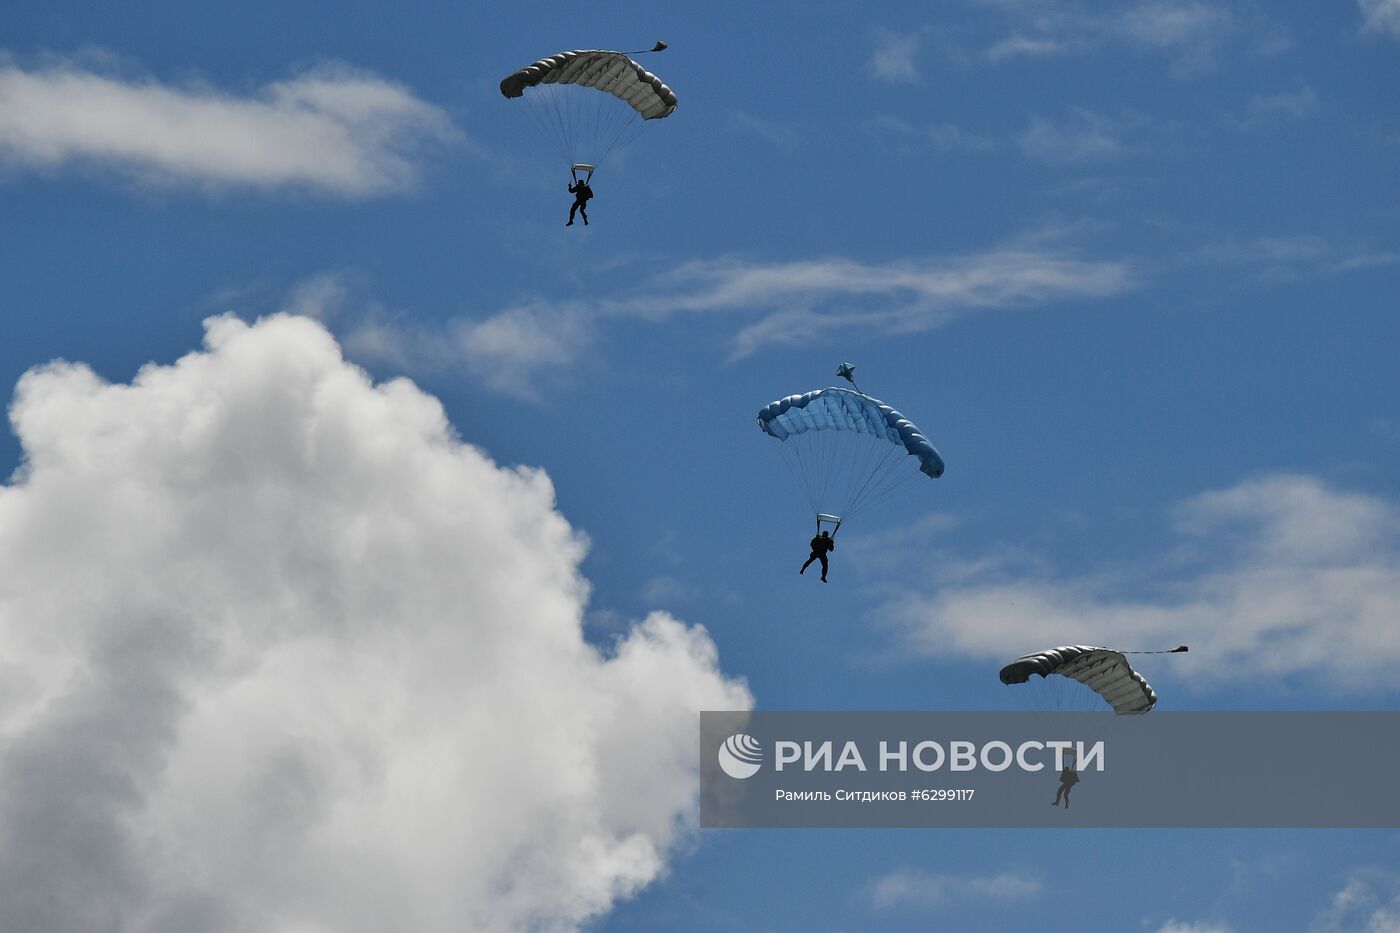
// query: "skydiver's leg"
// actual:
[[583, 212], [809, 562], [1068, 788], [1058, 794], [572, 207], [822, 557]]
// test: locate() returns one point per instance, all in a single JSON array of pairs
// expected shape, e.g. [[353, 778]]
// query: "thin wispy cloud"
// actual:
[[910, 889], [1284, 106], [1381, 16], [948, 137], [803, 300], [1284, 258], [1197, 926], [784, 136], [1026, 47], [1194, 36], [515, 348], [529, 349], [893, 57], [524, 351], [333, 130], [1085, 137], [941, 138], [1368, 903], [1174, 24], [1285, 575]]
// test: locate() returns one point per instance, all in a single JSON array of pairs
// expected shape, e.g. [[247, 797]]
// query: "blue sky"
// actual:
[[1131, 267]]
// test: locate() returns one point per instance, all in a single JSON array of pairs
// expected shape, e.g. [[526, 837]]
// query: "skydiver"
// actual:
[[1068, 778], [581, 192], [821, 545]]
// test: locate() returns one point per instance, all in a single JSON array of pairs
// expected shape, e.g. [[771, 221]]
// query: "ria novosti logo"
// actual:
[[740, 756]]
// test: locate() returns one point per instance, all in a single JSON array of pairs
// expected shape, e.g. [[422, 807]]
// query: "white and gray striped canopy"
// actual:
[[1103, 670], [610, 72]]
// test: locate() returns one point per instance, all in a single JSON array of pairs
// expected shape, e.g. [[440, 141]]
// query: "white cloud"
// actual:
[[914, 889], [522, 351], [1366, 261], [1197, 35], [1268, 109], [946, 137], [941, 138], [1194, 36], [1285, 257], [1026, 47], [528, 349], [331, 130], [1086, 137], [282, 653], [1199, 926], [893, 58], [1277, 577], [1171, 23], [805, 299], [1368, 903], [1381, 15], [516, 348], [783, 135]]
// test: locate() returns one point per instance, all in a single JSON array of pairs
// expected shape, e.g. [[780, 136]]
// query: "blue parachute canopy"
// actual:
[[837, 409]]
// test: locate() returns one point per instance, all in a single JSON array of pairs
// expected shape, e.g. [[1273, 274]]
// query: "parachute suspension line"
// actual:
[[628, 133], [887, 478], [847, 474], [830, 449], [565, 104], [609, 122], [801, 470], [876, 454], [875, 475], [894, 474], [543, 106], [845, 453], [577, 108]]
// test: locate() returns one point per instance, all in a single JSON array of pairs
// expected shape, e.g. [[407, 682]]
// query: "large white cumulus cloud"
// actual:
[[279, 653]]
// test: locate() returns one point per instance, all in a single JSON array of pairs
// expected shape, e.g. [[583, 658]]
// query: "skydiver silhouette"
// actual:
[[581, 192], [1068, 778], [821, 545]]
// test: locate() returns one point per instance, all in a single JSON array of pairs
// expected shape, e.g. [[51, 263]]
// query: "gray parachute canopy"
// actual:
[[610, 72], [1103, 670]]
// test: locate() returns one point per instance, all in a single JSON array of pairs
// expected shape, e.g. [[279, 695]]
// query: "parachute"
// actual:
[[1103, 671], [847, 449], [590, 102]]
